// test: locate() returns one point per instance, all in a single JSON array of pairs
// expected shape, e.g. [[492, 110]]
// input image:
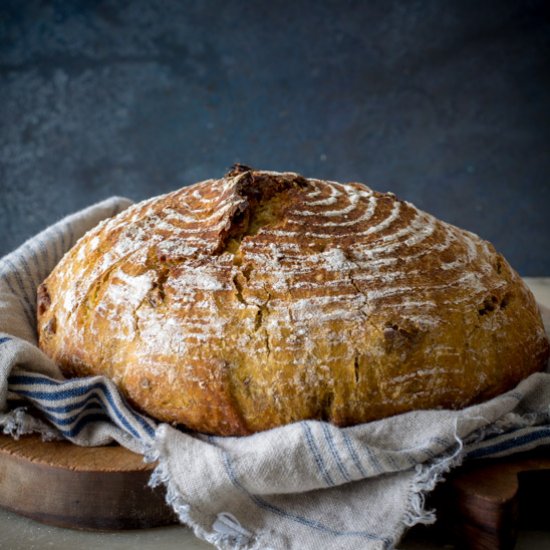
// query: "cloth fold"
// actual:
[[308, 485]]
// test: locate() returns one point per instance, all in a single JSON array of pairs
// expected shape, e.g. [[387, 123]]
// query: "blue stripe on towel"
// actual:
[[334, 451], [316, 454], [512, 442], [16, 272], [39, 397], [26, 268], [83, 423], [373, 459], [353, 453], [87, 409], [32, 379], [314, 524], [49, 395], [44, 257], [38, 265], [65, 409]]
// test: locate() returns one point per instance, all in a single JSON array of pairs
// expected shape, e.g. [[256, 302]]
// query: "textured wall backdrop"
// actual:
[[444, 103]]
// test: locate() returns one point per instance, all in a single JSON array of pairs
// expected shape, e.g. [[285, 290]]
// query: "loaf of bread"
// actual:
[[260, 299]]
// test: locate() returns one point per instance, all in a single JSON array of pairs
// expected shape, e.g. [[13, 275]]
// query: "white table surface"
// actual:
[[18, 533]]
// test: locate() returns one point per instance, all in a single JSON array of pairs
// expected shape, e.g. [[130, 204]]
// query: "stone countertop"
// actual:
[[19, 533]]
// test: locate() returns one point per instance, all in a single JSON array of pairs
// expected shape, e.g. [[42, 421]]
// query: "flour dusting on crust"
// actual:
[[262, 298]]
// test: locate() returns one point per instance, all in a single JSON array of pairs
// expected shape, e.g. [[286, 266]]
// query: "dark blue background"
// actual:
[[446, 103]]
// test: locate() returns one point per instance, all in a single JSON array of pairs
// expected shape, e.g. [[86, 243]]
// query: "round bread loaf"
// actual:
[[262, 298]]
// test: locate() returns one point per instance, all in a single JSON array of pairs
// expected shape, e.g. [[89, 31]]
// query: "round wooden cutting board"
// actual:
[[80, 487]]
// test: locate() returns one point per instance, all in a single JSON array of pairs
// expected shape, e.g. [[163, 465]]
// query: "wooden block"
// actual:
[[80, 487], [484, 502]]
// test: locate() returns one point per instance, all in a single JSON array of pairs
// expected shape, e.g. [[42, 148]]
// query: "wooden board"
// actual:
[[80, 487], [484, 503]]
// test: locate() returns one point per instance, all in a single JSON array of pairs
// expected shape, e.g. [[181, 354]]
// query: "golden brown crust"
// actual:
[[237, 305]]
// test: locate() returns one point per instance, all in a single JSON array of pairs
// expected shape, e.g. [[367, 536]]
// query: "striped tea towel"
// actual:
[[304, 486]]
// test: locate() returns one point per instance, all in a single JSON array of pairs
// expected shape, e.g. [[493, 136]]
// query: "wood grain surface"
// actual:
[[80, 487], [485, 502]]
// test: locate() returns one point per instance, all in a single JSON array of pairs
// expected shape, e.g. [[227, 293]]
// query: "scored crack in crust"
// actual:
[[245, 303]]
